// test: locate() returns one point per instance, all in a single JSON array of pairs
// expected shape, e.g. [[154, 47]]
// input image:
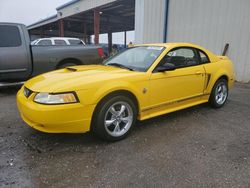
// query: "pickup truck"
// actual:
[[20, 61]]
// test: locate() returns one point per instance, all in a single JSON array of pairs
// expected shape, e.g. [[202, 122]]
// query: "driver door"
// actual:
[[175, 86]]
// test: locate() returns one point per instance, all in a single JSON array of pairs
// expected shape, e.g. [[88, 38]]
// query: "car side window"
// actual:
[[44, 42], [204, 58], [182, 57], [60, 42]]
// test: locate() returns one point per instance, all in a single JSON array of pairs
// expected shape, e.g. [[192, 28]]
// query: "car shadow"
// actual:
[[48, 142], [43, 142], [170, 117]]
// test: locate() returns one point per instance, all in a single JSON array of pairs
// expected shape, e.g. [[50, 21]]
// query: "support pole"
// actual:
[[165, 31], [61, 28], [96, 25], [41, 32], [85, 32], [125, 39], [88, 39], [110, 41]]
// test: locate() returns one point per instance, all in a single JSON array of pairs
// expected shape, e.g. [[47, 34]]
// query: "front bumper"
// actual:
[[63, 118]]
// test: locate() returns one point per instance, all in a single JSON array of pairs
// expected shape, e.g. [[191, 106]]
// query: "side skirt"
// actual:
[[172, 106]]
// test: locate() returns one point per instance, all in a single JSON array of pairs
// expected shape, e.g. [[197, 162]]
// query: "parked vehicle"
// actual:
[[19, 60], [140, 83], [60, 41]]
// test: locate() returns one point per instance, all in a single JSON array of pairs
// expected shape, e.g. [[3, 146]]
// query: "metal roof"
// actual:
[[116, 16], [49, 20], [53, 17], [66, 10], [67, 4]]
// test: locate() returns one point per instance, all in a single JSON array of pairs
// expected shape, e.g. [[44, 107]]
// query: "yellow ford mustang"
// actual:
[[142, 82]]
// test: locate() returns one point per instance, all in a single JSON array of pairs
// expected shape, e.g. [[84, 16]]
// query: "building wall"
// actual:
[[149, 21], [212, 24]]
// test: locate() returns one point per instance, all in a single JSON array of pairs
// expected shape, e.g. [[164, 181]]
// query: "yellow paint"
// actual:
[[156, 93]]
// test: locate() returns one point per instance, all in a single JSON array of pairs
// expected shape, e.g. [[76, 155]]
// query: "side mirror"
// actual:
[[166, 67]]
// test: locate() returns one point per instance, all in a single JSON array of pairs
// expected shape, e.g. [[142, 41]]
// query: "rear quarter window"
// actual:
[[60, 42], [9, 36], [75, 42], [204, 57]]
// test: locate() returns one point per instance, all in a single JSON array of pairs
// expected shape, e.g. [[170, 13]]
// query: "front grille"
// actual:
[[27, 92]]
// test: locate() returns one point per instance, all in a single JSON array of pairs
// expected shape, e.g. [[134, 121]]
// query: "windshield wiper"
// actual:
[[120, 66]]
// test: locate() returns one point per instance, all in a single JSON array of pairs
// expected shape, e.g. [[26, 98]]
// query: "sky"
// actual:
[[30, 11]]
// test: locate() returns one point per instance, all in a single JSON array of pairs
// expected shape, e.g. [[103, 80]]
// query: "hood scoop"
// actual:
[[92, 69], [71, 69]]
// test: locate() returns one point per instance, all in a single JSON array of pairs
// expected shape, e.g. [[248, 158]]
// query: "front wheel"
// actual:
[[115, 118], [219, 94]]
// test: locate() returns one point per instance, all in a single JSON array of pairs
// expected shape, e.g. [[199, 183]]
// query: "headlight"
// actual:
[[57, 98]]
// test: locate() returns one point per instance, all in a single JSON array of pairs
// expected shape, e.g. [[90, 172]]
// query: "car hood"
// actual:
[[77, 78]]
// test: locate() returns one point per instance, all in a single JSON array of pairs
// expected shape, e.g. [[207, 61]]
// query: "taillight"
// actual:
[[100, 52]]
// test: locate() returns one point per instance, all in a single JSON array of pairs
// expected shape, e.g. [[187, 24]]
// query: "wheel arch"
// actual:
[[69, 60], [212, 98], [222, 76], [127, 93], [122, 92], [119, 92], [215, 78]]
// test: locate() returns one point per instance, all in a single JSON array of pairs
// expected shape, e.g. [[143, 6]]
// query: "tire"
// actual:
[[219, 94], [114, 118]]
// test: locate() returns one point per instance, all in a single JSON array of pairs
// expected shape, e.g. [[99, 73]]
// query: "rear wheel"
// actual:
[[68, 62], [114, 118], [64, 65], [219, 94]]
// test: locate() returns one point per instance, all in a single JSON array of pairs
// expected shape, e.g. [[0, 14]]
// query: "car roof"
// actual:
[[59, 38], [11, 23], [183, 44], [172, 44]]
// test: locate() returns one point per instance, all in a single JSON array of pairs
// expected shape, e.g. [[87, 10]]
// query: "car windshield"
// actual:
[[137, 58]]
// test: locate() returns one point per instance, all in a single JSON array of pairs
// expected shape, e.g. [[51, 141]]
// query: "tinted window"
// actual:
[[9, 36], [60, 42], [182, 57], [44, 42], [204, 58], [75, 42]]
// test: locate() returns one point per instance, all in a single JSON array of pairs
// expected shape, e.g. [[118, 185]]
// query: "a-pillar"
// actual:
[[61, 28], [96, 25]]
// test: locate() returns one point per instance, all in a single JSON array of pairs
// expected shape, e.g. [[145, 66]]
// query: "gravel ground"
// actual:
[[196, 147]]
